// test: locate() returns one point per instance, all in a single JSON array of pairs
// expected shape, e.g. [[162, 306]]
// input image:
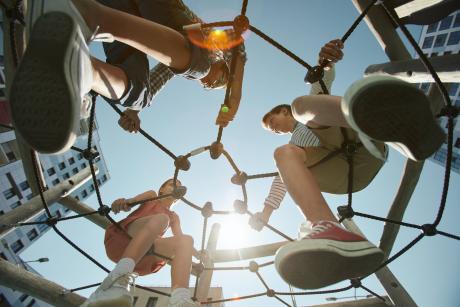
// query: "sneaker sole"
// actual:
[[46, 116], [389, 110], [314, 264]]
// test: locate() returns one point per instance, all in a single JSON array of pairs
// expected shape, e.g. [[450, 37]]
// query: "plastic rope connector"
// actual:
[[240, 206], [240, 179], [345, 212], [182, 163], [315, 74], [206, 212]]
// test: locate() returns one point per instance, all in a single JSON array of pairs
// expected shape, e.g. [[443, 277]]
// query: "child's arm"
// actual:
[[235, 93], [123, 204], [332, 52], [272, 202]]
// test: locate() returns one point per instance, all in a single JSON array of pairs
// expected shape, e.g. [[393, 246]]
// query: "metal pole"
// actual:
[[413, 71], [24, 281], [34, 207], [81, 208], [25, 150], [205, 278], [398, 295]]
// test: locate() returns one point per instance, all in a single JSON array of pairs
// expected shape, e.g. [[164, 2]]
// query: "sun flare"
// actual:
[[234, 232]]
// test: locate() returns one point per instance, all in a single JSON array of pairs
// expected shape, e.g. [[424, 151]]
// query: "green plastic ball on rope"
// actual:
[[224, 109]]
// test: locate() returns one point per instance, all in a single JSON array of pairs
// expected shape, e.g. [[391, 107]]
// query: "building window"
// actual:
[[9, 193], [23, 297], [457, 143], [91, 188], [447, 52], [42, 227], [24, 185], [80, 156], [32, 234], [15, 205], [8, 148], [29, 197], [51, 171], [84, 194], [32, 303], [55, 181], [457, 21], [77, 198], [432, 28], [99, 182], [434, 54], [445, 23], [71, 161], [61, 165], [152, 302], [66, 176], [457, 103], [17, 246], [135, 300], [75, 170], [104, 178], [453, 89], [428, 42], [83, 165], [440, 40], [454, 38], [2, 255]]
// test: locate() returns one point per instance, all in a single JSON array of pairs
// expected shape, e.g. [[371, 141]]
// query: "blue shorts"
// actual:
[[170, 13]]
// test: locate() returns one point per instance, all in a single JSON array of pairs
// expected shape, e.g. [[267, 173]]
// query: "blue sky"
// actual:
[[182, 118]]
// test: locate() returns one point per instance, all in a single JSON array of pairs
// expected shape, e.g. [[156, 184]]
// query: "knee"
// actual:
[[285, 152], [183, 241], [302, 108]]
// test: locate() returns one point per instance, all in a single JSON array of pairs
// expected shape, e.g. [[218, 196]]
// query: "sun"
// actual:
[[234, 232]]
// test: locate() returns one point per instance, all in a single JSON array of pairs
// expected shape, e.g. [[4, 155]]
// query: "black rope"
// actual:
[[373, 217], [244, 7], [373, 293], [191, 204], [147, 136], [230, 160], [282, 301], [265, 175], [315, 292], [262, 280], [281, 48], [273, 229]]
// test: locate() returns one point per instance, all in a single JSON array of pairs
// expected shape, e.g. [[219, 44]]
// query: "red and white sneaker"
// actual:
[[327, 255]]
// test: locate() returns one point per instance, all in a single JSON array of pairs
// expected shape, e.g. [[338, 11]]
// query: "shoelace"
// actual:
[[316, 229]]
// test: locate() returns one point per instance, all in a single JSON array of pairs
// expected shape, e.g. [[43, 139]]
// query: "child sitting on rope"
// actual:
[[57, 70], [323, 129], [139, 247]]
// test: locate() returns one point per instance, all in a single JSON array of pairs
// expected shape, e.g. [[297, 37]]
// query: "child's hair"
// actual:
[[167, 181], [275, 110]]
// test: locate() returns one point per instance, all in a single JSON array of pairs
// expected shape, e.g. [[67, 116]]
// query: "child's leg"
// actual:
[[145, 232], [319, 110], [162, 43], [108, 80], [301, 184]]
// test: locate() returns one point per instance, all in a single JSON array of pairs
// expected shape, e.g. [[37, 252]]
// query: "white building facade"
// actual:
[[437, 39]]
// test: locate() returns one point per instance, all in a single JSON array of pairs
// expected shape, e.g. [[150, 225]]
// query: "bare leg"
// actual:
[[145, 232], [162, 43], [319, 110], [301, 184], [108, 80]]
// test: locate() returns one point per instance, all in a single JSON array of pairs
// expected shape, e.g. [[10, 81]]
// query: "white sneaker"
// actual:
[[188, 302], [387, 109], [52, 78], [113, 292]]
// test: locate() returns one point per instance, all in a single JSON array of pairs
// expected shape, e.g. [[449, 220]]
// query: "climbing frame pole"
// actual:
[[34, 207], [16, 278], [384, 31], [398, 295], [14, 43], [205, 277]]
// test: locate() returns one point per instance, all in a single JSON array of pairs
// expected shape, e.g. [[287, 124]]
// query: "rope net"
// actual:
[[182, 163]]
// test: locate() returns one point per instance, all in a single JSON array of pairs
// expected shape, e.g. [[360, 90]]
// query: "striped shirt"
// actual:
[[302, 136]]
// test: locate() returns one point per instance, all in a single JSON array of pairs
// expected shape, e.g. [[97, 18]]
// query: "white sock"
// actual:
[[179, 294], [125, 265]]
